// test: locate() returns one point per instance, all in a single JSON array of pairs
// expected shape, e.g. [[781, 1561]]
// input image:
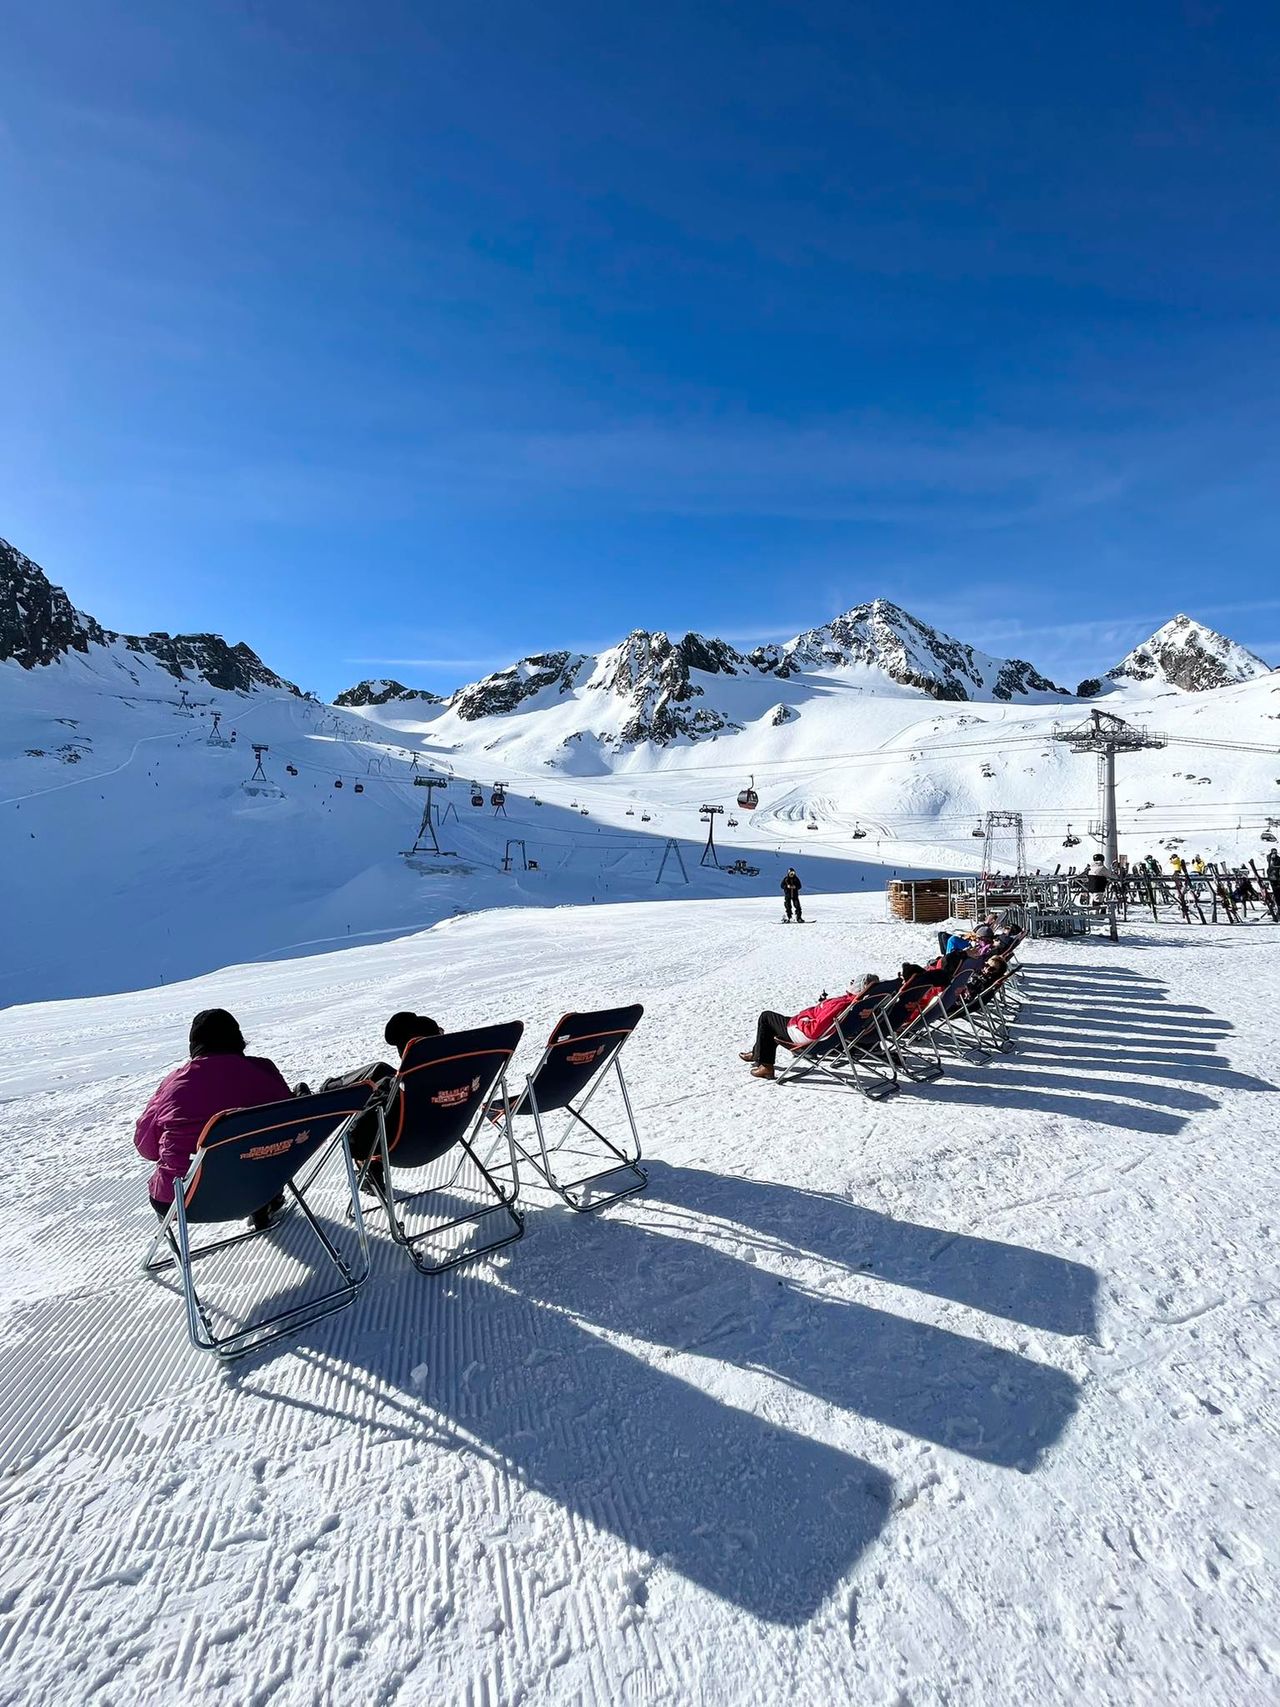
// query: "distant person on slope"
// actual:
[[1097, 877], [791, 887], [219, 1076], [773, 1029]]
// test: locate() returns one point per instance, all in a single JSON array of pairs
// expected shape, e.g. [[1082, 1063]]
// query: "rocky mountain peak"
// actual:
[[883, 636], [1186, 654], [39, 625], [382, 690]]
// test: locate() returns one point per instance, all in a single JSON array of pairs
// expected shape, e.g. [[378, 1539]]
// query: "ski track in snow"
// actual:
[[969, 1397]]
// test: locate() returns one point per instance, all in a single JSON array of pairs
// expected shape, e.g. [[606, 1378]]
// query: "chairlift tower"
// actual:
[[425, 841], [259, 775], [184, 703], [1106, 735], [709, 814], [999, 828], [216, 738]]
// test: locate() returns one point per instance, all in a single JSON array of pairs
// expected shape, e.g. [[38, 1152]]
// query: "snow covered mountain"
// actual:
[[39, 626], [884, 637], [1185, 654], [382, 690], [655, 687]]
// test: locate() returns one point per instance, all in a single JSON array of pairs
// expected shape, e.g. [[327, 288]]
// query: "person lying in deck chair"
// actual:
[[773, 1029], [218, 1076], [400, 1031]]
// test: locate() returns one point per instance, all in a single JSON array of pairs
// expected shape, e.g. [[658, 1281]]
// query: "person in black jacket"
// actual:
[[791, 895]]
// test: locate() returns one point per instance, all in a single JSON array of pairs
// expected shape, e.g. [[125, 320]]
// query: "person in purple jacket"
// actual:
[[219, 1076]]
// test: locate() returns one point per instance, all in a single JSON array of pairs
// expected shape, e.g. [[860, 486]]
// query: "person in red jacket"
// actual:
[[773, 1029], [219, 1076]]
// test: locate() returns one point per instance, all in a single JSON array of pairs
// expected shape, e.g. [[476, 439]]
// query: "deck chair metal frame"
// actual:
[[847, 1060], [335, 1111], [901, 1044], [488, 1049], [581, 1075]]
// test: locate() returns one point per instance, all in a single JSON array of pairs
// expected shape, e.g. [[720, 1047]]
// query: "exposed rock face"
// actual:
[[382, 690], [652, 673], [505, 690], [909, 652], [38, 622], [1187, 655], [39, 625]]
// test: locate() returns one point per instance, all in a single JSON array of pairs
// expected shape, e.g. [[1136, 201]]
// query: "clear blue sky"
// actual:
[[446, 332]]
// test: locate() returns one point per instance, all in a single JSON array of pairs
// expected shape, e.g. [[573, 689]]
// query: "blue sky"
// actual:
[[405, 339]]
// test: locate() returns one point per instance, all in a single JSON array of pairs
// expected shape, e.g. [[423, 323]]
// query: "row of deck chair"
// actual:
[[449, 1107], [874, 1055]]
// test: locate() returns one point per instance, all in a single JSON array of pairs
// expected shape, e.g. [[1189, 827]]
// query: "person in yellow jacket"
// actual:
[[1197, 865], [1176, 865]]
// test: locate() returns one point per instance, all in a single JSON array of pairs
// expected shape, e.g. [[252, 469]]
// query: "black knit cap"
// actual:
[[215, 1032], [402, 1028]]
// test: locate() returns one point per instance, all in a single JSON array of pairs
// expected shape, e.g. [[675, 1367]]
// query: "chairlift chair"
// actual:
[[859, 834], [1268, 836], [359, 788], [497, 798], [748, 799], [477, 797], [337, 782], [732, 823], [292, 769], [978, 830], [644, 818], [631, 811], [1069, 840]]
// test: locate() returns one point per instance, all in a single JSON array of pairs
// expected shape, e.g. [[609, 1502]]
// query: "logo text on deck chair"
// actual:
[[451, 1098], [263, 1152], [584, 1057]]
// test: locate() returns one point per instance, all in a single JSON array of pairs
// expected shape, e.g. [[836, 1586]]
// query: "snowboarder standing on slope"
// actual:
[[791, 887]]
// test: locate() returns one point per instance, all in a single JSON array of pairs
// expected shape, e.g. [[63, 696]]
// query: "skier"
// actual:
[[1177, 865], [1273, 875], [791, 896], [1097, 879], [1198, 866]]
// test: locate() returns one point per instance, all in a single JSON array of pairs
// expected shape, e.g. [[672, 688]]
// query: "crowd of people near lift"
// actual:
[[892, 1002]]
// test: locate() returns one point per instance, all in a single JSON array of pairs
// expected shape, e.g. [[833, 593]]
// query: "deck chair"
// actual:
[[581, 1052], [853, 1058], [910, 1046], [437, 1103], [951, 1022], [244, 1159]]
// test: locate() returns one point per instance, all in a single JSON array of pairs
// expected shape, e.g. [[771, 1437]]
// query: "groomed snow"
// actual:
[[970, 1397]]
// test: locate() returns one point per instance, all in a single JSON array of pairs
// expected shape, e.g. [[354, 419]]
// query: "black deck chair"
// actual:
[[437, 1102], [853, 1057], [909, 1045], [580, 1053], [244, 1159]]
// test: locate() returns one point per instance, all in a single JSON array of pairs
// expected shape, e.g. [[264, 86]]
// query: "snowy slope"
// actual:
[[968, 1398], [133, 855]]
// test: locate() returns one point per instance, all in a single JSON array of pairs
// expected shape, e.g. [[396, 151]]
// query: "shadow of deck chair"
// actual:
[[852, 1058], [437, 1102], [246, 1157], [580, 1053]]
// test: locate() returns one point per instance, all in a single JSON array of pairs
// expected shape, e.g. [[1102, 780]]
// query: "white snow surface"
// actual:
[[133, 855], [968, 1397]]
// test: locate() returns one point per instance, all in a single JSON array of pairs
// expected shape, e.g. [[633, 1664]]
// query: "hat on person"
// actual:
[[402, 1028], [984, 933], [215, 1032]]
